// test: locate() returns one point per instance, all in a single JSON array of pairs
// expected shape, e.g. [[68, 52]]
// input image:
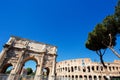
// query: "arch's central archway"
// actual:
[[29, 65], [18, 50]]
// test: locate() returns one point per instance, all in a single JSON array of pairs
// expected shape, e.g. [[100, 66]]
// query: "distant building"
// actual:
[[85, 69]]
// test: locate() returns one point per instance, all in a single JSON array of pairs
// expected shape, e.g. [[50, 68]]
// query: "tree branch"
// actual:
[[115, 52], [97, 53], [104, 51], [110, 36]]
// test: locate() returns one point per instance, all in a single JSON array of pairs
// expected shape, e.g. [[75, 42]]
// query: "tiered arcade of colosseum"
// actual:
[[85, 69]]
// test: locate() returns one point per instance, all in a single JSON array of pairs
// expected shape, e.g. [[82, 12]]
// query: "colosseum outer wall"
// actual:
[[78, 69]]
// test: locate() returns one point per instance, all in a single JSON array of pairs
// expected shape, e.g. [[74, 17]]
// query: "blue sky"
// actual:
[[63, 23]]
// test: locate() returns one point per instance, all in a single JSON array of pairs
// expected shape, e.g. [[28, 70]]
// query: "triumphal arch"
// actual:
[[18, 50]]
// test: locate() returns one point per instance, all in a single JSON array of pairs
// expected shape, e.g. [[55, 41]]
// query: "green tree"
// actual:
[[8, 71], [29, 71], [117, 25], [104, 35], [110, 22], [95, 41], [117, 15], [113, 28]]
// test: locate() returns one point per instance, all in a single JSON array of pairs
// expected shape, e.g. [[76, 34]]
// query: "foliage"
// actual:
[[95, 41], [95, 38], [8, 71], [33, 73], [104, 34], [29, 71]]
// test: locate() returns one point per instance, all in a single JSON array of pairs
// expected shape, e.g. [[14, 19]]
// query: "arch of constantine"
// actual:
[[18, 50]]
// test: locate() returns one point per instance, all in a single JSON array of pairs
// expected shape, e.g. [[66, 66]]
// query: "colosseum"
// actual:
[[85, 69]]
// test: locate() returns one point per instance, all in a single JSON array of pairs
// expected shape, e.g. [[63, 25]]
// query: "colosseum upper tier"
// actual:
[[85, 69]]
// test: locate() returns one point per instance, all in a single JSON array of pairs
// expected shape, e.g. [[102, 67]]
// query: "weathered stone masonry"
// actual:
[[85, 69], [18, 50]]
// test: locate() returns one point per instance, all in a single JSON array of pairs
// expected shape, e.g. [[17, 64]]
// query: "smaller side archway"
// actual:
[[46, 72], [7, 68]]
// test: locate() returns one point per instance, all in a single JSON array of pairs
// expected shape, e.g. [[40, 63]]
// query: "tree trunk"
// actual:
[[101, 59], [116, 53]]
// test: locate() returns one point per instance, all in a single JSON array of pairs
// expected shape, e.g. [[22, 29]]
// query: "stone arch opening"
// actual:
[[72, 77], [80, 77], [46, 72], [7, 68], [76, 77], [65, 68], [66, 77], [100, 78], [95, 77], [90, 77], [104, 77], [27, 63], [68, 69], [88, 68], [85, 77], [72, 70], [78, 68], [69, 77]]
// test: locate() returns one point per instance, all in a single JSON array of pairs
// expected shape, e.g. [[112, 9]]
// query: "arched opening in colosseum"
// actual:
[[27, 63], [68, 69], [6, 68], [95, 78], [85, 77], [72, 70], [84, 69], [113, 68], [104, 77], [101, 68], [80, 77], [88, 68], [76, 77], [109, 68], [66, 77], [97, 68], [75, 68], [116, 68], [69, 77], [92, 68], [78, 68], [100, 78], [90, 77], [72, 77], [65, 68]]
